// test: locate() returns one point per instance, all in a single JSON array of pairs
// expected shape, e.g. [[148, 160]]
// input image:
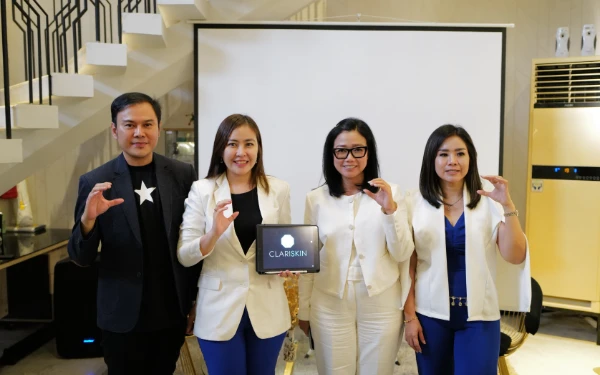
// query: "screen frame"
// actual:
[[486, 28]]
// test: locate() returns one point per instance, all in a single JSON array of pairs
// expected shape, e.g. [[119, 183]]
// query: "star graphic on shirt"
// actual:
[[145, 193]]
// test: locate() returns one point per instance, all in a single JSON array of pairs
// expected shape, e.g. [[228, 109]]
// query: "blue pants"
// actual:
[[244, 354], [457, 346]]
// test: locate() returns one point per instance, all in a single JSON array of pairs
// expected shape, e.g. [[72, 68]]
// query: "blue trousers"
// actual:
[[244, 354], [458, 347]]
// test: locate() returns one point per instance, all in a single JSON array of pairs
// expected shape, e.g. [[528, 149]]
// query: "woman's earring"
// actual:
[[221, 161]]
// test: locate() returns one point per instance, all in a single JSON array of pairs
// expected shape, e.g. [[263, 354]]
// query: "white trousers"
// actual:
[[357, 334]]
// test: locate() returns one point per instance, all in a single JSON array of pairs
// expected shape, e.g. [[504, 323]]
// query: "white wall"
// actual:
[[178, 106]]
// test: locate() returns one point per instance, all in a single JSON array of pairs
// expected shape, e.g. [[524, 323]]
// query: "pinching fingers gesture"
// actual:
[[384, 196], [220, 222], [96, 204], [500, 193]]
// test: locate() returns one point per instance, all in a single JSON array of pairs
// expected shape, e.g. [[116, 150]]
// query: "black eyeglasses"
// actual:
[[357, 152]]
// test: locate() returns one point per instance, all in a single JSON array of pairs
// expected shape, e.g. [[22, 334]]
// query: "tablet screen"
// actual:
[[287, 247]]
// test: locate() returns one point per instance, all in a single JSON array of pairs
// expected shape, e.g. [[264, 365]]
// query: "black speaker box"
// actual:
[[75, 289]]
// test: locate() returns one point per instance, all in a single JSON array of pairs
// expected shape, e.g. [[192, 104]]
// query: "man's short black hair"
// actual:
[[130, 98]]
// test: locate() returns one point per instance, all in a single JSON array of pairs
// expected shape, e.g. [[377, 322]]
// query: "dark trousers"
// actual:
[[459, 347], [148, 353], [244, 354]]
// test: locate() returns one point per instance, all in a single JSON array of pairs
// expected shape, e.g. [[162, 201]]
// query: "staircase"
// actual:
[[156, 56]]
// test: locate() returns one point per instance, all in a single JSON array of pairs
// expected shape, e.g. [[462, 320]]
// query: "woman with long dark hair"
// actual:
[[241, 316]]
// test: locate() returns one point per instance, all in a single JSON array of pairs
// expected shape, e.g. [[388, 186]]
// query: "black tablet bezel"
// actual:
[[259, 250]]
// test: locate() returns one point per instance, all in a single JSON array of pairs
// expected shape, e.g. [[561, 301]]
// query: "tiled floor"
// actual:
[[565, 345]]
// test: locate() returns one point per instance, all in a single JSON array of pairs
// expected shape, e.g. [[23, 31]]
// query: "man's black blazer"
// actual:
[[118, 232]]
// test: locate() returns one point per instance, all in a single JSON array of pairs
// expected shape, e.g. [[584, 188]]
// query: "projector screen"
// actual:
[[297, 81]]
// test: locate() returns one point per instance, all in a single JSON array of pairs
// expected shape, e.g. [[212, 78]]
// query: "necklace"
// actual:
[[450, 205]]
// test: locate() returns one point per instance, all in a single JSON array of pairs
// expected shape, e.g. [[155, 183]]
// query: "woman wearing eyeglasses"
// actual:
[[354, 303]]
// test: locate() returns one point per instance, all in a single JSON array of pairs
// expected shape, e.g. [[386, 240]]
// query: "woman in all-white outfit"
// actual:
[[241, 316], [354, 304]]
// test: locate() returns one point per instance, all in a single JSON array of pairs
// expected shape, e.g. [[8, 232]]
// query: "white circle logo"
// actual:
[[287, 241]]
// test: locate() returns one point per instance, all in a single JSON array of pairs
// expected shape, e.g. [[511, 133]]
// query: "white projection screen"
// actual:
[[299, 80]]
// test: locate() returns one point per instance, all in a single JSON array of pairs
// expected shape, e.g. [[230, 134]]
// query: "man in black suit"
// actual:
[[133, 206]]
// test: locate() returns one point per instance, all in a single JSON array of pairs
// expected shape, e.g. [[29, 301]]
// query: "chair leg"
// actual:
[[598, 330], [502, 366], [289, 368]]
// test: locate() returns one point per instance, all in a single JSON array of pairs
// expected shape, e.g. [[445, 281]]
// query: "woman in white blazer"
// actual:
[[354, 303], [470, 260], [241, 316]]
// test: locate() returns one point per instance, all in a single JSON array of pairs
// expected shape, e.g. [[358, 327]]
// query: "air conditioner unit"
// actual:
[[563, 195]]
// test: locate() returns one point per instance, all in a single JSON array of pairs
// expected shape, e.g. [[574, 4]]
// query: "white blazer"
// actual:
[[492, 283], [229, 281], [382, 241]]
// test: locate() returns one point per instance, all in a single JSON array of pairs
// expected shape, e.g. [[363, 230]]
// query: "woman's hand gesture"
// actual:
[[220, 222], [384, 196], [500, 193]]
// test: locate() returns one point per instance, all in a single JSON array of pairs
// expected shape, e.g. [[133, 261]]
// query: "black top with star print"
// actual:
[[160, 307]]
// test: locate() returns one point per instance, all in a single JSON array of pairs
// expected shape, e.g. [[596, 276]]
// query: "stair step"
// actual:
[[63, 85], [103, 58], [174, 11], [144, 30], [72, 85], [11, 151], [19, 93], [31, 116]]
